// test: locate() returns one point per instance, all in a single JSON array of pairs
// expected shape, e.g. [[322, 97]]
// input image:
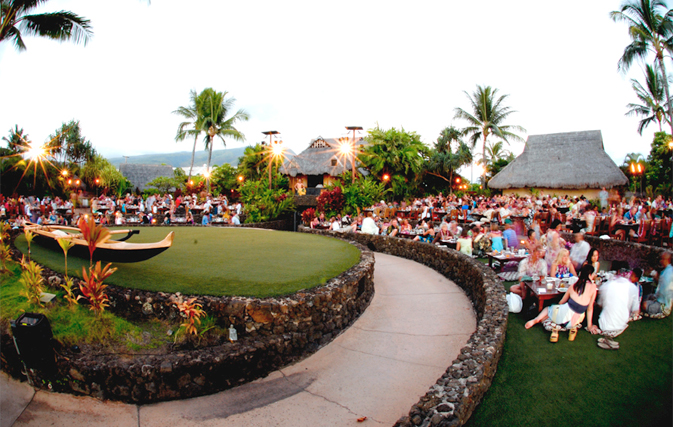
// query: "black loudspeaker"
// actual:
[[33, 341]]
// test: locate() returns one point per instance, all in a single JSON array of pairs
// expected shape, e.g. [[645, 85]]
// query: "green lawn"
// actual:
[[223, 261], [577, 383]]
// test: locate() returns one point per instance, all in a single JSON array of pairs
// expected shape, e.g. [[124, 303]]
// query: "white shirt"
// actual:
[[579, 252], [369, 226], [619, 298], [235, 220]]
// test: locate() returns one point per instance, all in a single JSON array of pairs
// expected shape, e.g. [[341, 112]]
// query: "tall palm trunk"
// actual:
[[660, 57], [210, 152], [191, 166], [483, 158]]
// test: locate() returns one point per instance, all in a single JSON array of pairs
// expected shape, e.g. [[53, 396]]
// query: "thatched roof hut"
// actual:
[[318, 164], [568, 163], [141, 175]]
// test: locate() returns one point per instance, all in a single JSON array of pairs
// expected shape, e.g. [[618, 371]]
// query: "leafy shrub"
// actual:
[[308, 215], [192, 312], [361, 194], [93, 288], [32, 280], [264, 204], [331, 202]]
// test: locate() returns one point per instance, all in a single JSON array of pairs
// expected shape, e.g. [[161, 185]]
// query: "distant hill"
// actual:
[[183, 158]]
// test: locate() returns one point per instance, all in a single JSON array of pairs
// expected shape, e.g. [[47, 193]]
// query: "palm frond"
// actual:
[[62, 26]]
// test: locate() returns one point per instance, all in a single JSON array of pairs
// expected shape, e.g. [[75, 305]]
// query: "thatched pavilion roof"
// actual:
[[561, 160], [321, 157]]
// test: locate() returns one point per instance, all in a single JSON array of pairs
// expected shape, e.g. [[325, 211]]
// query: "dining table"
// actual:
[[503, 258], [540, 292]]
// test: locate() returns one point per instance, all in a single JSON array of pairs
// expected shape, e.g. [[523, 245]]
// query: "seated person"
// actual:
[[531, 240], [570, 311], [579, 251], [496, 238], [205, 219], [334, 224], [562, 267], [510, 236], [464, 243], [428, 232], [369, 225], [620, 299], [235, 219], [444, 233], [454, 229], [481, 243], [658, 305], [405, 227], [533, 265], [315, 222], [592, 259], [393, 229]]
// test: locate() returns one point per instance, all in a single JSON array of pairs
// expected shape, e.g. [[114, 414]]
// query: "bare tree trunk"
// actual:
[[660, 56], [483, 159], [191, 166]]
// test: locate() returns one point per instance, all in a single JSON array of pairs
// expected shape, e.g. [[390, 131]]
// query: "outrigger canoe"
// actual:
[[108, 251]]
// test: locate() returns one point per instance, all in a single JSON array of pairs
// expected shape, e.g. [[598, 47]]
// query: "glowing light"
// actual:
[[386, 177], [240, 179], [277, 150], [633, 168], [640, 168], [479, 170], [457, 180], [35, 152], [345, 147], [97, 181], [70, 182], [191, 182], [207, 173], [77, 182], [64, 172]]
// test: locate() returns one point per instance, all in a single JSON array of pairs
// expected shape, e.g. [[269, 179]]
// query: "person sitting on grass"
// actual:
[[658, 305], [620, 299], [464, 243], [570, 311], [562, 267], [533, 265]]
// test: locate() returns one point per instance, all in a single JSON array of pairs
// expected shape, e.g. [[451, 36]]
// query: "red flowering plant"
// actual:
[[93, 288], [331, 202], [192, 312], [93, 233], [308, 215]]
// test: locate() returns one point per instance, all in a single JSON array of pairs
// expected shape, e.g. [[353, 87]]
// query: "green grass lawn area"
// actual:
[[577, 383], [223, 261]]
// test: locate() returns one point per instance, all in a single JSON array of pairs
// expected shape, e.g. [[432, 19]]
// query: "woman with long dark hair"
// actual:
[[569, 313]]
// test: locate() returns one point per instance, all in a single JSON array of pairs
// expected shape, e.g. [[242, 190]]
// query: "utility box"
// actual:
[[33, 340]]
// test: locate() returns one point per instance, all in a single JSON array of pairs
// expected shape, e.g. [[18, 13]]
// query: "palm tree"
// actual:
[[651, 31], [633, 158], [494, 152], [651, 97], [16, 139], [487, 117], [443, 160], [63, 25], [448, 135], [190, 126], [212, 109]]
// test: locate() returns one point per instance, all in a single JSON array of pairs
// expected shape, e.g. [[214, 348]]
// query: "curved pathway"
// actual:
[[378, 368]]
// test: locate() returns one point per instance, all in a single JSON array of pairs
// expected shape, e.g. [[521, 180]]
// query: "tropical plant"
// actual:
[[93, 288], [92, 233], [16, 139], [32, 281], [99, 172], [442, 161], [651, 98], [658, 173], [5, 256], [29, 239], [361, 194], [331, 202], [68, 146], [189, 127], [17, 21], [264, 204], [192, 312], [308, 215], [65, 245], [253, 162], [224, 178], [68, 287], [487, 117], [213, 109], [397, 153], [651, 30], [164, 183]]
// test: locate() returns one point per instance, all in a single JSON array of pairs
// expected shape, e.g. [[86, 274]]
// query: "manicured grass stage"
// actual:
[[578, 384], [223, 261]]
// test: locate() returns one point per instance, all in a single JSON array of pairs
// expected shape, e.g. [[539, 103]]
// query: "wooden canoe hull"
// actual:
[[110, 251]]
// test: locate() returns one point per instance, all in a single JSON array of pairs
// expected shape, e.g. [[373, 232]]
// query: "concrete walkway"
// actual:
[[378, 368]]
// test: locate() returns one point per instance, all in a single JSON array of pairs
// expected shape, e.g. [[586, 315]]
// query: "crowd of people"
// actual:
[[130, 209], [487, 227]]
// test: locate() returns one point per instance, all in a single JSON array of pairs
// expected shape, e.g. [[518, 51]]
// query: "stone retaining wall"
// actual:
[[455, 395], [273, 332], [635, 254]]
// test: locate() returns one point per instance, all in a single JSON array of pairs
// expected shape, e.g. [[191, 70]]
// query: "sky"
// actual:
[[309, 69]]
